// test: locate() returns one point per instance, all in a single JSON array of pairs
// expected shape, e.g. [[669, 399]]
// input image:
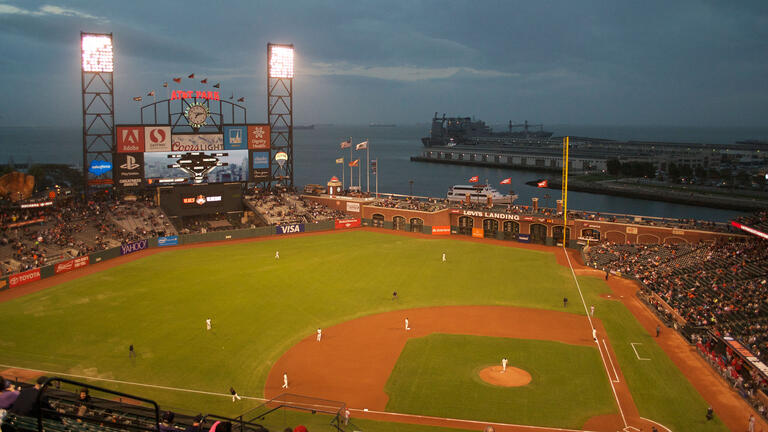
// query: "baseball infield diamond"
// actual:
[[263, 310]]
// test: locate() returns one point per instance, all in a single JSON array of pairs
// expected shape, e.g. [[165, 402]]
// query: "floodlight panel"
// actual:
[[281, 62], [97, 53]]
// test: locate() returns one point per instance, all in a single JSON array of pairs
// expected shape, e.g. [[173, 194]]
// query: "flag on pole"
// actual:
[[373, 166], [362, 146], [165, 83], [474, 179], [204, 81], [346, 144], [137, 98], [506, 181], [242, 99], [177, 80], [340, 160], [152, 93], [542, 183], [217, 85], [354, 163], [191, 75]]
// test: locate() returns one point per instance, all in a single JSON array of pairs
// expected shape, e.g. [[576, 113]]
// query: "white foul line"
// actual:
[[610, 381], [608, 354], [635, 350]]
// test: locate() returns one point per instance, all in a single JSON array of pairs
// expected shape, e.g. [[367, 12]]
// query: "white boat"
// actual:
[[480, 194]]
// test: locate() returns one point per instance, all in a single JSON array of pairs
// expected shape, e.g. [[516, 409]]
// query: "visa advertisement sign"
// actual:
[[290, 229], [235, 137], [168, 241]]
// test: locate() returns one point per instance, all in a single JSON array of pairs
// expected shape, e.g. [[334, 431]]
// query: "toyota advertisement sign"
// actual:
[[24, 278]]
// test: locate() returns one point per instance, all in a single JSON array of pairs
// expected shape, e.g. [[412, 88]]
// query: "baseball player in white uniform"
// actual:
[[285, 380], [208, 324], [277, 255], [319, 334], [592, 310], [444, 257], [406, 324], [594, 334], [503, 365]]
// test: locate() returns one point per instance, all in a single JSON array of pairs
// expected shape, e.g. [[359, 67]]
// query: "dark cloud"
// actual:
[[597, 62]]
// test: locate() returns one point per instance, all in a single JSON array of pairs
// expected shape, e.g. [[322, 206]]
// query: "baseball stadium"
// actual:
[[194, 286]]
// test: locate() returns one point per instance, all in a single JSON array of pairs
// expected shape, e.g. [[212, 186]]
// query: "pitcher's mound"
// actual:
[[512, 377]]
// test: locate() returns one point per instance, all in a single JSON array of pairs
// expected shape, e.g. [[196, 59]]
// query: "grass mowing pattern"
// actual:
[[437, 375], [658, 388]]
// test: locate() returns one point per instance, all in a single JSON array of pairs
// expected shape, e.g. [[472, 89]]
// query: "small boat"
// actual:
[[480, 194]]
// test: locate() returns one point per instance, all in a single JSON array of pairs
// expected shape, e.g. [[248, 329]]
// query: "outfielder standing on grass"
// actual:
[[234, 394], [208, 324]]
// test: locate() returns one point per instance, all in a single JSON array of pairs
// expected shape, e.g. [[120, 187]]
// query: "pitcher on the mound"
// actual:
[[503, 365]]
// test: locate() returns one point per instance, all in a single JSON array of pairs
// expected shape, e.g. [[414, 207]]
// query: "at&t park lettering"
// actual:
[[189, 94], [491, 215]]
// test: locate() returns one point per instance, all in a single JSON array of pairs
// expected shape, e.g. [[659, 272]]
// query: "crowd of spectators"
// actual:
[[718, 288], [758, 221], [412, 203], [284, 207]]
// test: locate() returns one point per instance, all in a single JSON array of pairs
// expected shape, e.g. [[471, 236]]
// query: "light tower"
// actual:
[[280, 112], [97, 84]]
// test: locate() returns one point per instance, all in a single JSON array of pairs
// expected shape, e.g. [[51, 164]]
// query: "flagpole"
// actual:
[[367, 167], [351, 173], [359, 176], [342, 174], [378, 167]]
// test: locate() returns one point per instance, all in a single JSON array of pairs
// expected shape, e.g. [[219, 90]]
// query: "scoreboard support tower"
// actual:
[[280, 111], [97, 85]]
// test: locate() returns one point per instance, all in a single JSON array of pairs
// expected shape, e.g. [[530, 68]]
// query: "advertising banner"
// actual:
[[23, 278], [3, 283], [197, 142], [347, 223], [260, 166], [129, 248], [130, 139], [477, 232], [441, 230], [353, 207], [290, 229], [234, 137], [157, 139], [129, 169], [168, 241], [99, 167], [72, 264], [524, 238], [258, 137]]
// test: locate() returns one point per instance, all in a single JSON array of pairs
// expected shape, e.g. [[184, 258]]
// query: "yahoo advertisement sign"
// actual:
[[129, 248]]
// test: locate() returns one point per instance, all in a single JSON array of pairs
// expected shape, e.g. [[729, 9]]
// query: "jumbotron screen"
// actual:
[[194, 200]]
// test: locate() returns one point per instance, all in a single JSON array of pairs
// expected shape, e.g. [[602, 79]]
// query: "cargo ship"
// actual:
[[451, 131]]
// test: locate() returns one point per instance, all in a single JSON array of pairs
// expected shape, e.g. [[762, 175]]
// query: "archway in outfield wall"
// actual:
[[417, 225], [648, 239], [398, 223], [557, 234], [538, 233], [490, 228], [465, 225], [590, 233], [378, 220], [675, 240], [615, 236], [511, 230]]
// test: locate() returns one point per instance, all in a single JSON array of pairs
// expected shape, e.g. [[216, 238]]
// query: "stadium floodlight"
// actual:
[[280, 61], [97, 52]]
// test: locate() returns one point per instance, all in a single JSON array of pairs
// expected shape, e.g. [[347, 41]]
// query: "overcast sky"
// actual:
[[558, 62]]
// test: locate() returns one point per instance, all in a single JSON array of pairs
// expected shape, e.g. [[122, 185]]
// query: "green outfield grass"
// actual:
[[261, 307], [437, 375]]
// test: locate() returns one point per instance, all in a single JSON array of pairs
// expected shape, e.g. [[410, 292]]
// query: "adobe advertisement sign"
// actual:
[[235, 137], [130, 139], [157, 138], [72, 264], [24, 278], [347, 223], [258, 137], [129, 169], [130, 248]]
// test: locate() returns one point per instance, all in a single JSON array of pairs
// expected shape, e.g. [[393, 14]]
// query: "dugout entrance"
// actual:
[[287, 410]]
